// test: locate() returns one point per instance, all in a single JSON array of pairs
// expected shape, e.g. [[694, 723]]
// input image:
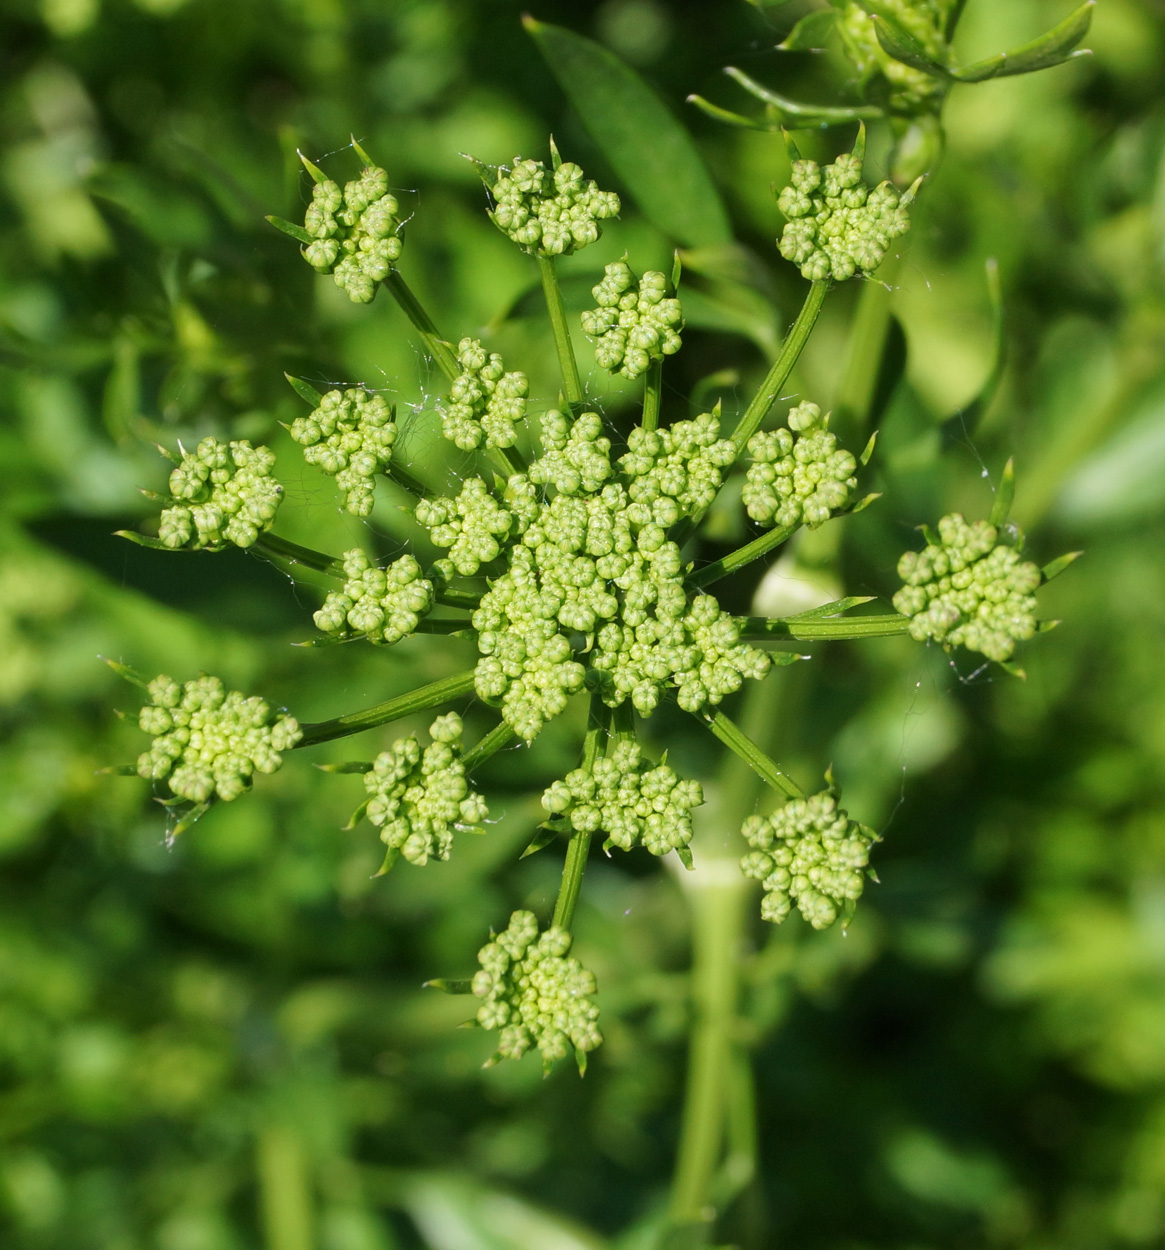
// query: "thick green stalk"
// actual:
[[652, 391], [740, 744], [499, 737], [432, 695], [755, 628], [284, 1189], [412, 308], [580, 842], [571, 383], [293, 553], [761, 545], [778, 375], [719, 896]]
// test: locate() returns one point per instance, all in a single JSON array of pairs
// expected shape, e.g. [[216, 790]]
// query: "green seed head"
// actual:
[[549, 212], [633, 324], [355, 233], [350, 437]]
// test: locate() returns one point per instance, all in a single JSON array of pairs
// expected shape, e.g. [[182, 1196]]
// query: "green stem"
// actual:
[[458, 598], [740, 744], [293, 553], [285, 1189], [863, 361], [441, 352], [509, 460], [717, 925], [778, 375], [652, 392], [432, 695], [444, 625], [571, 383], [761, 545], [759, 627], [404, 479], [500, 736], [580, 842]]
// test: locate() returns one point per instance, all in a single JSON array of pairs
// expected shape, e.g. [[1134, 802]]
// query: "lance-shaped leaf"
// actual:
[[1004, 496], [805, 114], [1052, 48], [633, 128], [811, 32], [899, 43]]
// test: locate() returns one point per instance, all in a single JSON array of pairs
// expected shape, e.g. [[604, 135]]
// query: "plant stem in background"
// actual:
[[284, 1189], [571, 383]]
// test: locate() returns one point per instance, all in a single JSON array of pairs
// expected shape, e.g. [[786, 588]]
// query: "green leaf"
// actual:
[[155, 544], [729, 118], [1005, 495], [448, 987], [963, 423], [543, 836], [290, 228], [899, 43], [1057, 566], [646, 146], [305, 391], [811, 32], [1052, 48], [836, 608], [806, 114]]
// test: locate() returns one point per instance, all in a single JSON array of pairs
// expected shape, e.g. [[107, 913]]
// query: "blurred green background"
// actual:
[[225, 1045]]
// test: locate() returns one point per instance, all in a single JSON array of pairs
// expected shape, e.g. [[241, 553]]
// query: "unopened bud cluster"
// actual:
[[209, 741], [595, 560], [418, 797], [485, 403], [969, 589], [633, 803], [633, 324], [550, 212], [535, 993], [799, 475], [909, 86], [223, 493], [808, 855], [350, 437], [354, 232], [837, 226], [382, 605]]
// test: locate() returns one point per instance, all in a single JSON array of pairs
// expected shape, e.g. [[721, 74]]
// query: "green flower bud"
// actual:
[[473, 526], [418, 798], [970, 590], [549, 213], [350, 437], [838, 227], [536, 994], [355, 233], [633, 803], [485, 404], [808, 854], [632, 325], [223, 493], [799, 475], [383, 605], [208, 742]]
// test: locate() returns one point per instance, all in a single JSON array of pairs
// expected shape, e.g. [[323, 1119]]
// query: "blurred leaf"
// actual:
[[457, 1213], [811, 32], [647, 147], [1052, 48]]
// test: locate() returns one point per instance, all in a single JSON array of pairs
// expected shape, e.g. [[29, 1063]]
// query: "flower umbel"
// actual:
[[536, 994], [223, 493], [969, 589], [208, 741], [810, 855]]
